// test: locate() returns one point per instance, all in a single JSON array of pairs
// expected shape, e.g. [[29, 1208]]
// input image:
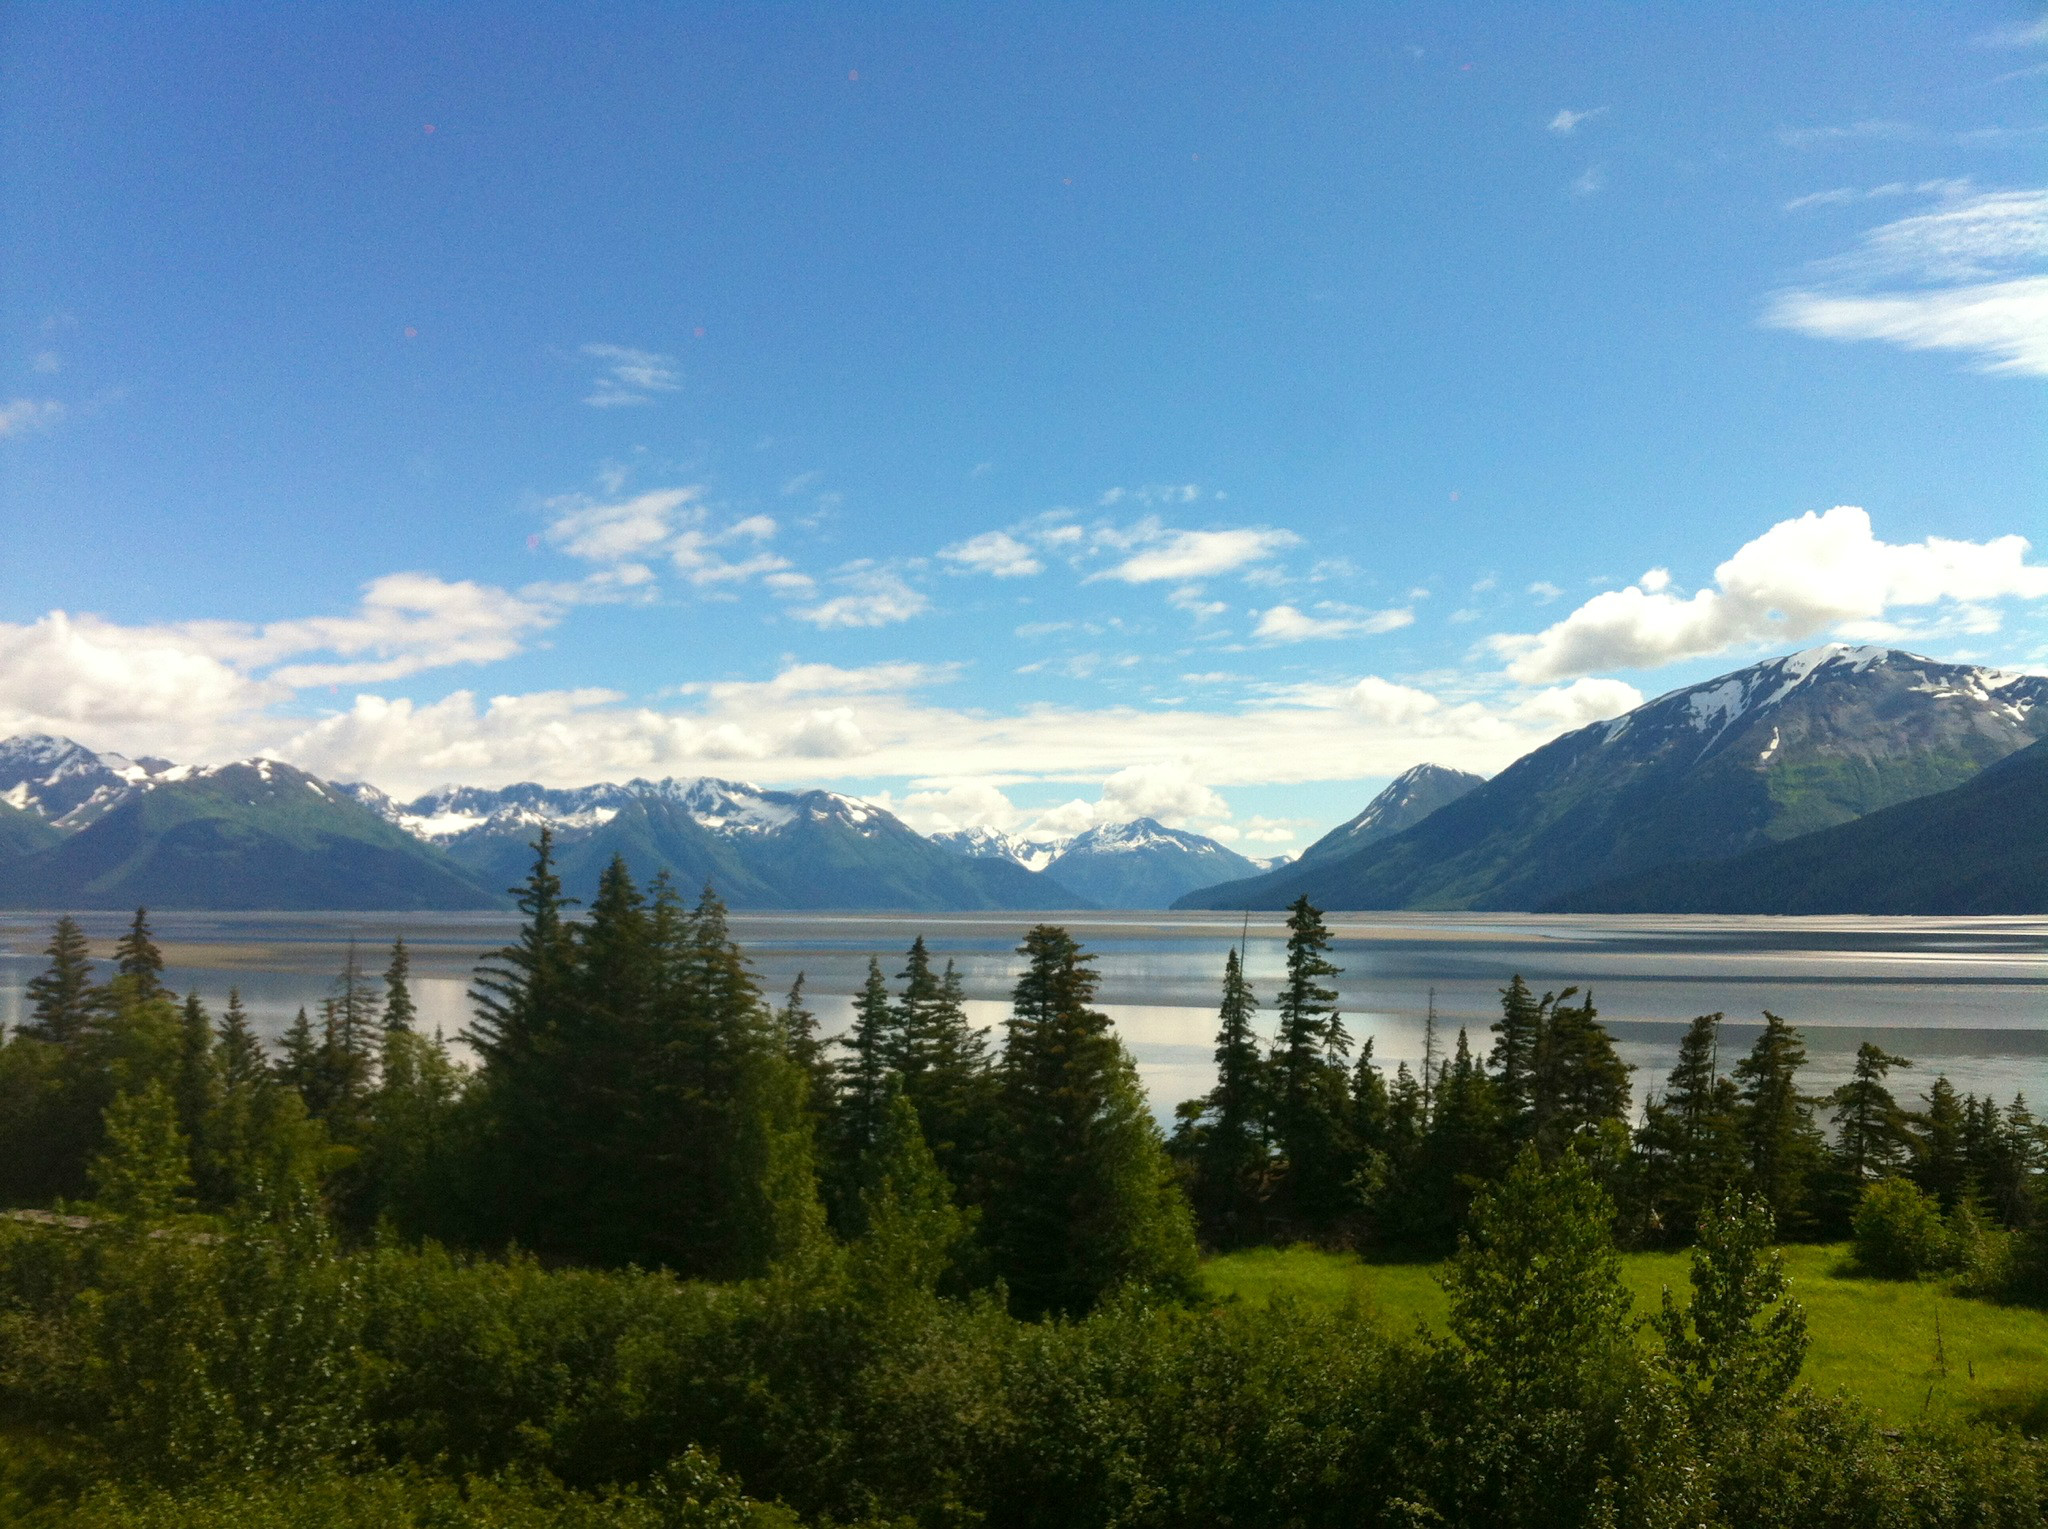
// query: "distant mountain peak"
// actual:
[[1406, 800]]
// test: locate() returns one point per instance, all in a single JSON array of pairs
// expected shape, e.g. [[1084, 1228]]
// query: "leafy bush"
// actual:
[[1900, 1233]]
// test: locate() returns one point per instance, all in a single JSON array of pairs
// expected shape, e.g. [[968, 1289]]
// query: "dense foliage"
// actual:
[[664, 1258]]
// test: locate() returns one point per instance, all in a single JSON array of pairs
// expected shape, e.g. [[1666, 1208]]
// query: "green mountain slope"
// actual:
[[21, 834], [1981, 848], [1764, 754], [242, 836]]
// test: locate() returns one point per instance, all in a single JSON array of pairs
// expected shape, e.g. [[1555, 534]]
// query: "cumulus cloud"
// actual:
[[627, 528], [1800, 578], [1168, 791], [207, 684], [1576, 704], [629, 376], [1965, 277], [1284, 623], [996, 553], [26, 416], [1183, 555]]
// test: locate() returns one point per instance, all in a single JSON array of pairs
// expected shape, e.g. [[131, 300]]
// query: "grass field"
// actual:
[[1875, 1339]]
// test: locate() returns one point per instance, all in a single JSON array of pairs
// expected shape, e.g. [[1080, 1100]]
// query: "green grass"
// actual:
[[1874, 1339]]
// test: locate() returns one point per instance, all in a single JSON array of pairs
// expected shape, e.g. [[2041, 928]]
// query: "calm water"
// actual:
[[1968, 997]]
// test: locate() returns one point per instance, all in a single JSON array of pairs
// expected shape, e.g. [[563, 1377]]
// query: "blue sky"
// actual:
[[1015, 414]]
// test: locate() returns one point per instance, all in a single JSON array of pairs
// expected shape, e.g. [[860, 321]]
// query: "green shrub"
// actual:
[[1900, 1233]]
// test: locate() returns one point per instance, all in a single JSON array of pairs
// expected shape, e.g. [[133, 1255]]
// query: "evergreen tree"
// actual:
[[1226, 1146], [1578, 1084], [1513, 1060], [943, 1062], [799, 1030], [399, 1011], [62, 998], [410, 1151], [1082, 1199], [1689, 1150], [1942, 1165], [137, 959], [734, 1158], [196, 1087], [517, 1000], [1733, 1356], [1457, 1151], [1872, 1140], [1310, 1088], [241, 1053], [1780, 1140], [298, 1062], [864, 1078]]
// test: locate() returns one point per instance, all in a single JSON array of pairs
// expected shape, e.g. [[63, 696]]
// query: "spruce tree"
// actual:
[[1578, 1084], [1458, 1151], [62, 998], [798, 1027], [1311, 1093], [1689, 1149], [196, 1088], [1872, 1140], [1783, 1146], [942, 1061], [517, 1000], [399, 1010], [1942, 1167], [1227, 1151], [241, 1053], [137, 959], [1513, 1059], [864, 1073], [1082, 1199]]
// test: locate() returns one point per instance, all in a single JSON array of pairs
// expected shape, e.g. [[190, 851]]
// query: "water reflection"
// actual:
[[1968, 997]]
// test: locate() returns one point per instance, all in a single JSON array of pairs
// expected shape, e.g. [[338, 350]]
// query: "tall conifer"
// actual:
[[62, 997]]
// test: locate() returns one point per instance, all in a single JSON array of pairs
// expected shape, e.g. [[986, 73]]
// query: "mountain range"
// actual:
[[1834, 780], [759, 848], [1703, 774]]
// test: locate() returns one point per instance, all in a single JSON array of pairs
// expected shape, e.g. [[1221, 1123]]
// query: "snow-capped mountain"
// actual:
[[66, 784], [994, 844], [1709, 771], [759, 847], [1409, 798], [1144, 864], [252, 834]]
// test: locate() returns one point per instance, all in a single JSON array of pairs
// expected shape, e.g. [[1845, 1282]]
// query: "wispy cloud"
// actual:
[[1179, 556], [996, 553], [1590, 183], [1868, 130], [1284, 623], [27, 416], [871, 596], [1567, 121], [629, 376], [1967, 277]]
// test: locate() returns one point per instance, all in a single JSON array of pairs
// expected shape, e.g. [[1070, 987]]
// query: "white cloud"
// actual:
[[25, 416], [1800, 578], [1183, 555], [1966, 277], [1870, 129], [1580, 702], [630, 528], [1283, 623], [1545, 591], [1567, 121], [996, 553], [874, 597], [1168, 791], [1590, 182], [2021, 34], [629, 376], [407, 622]]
